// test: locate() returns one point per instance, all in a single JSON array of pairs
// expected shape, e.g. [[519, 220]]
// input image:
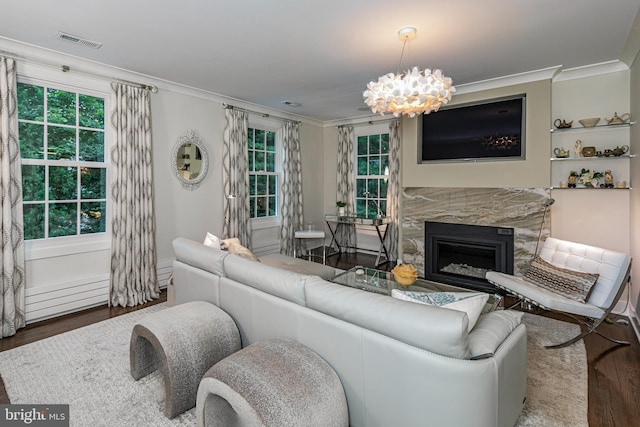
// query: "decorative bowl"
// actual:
[[589, 123], [405, 274]]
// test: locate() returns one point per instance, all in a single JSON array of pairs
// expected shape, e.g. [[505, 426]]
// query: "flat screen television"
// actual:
[[487, 130]]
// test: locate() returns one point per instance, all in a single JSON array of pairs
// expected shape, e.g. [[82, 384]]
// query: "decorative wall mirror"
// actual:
[[189, 160]]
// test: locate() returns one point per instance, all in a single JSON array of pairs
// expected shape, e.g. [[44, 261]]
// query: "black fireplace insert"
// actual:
[[462, 254]]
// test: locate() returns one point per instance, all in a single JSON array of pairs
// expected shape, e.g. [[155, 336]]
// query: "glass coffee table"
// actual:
[[382, 282]]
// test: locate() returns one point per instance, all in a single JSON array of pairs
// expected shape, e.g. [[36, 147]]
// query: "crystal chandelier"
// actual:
[[411, 93]]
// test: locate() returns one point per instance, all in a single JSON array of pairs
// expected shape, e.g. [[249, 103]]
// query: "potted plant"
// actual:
[[341, 208]]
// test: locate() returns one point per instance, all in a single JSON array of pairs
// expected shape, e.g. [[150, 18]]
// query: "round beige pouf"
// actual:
[[275, 382]]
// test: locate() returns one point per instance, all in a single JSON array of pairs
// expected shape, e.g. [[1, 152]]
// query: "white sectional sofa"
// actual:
[[400, 363]]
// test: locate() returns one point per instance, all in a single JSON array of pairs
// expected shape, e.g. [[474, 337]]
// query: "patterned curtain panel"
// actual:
[[292, 216], [12, 297], [393, 190], [133, 248], [345, 233], [235, 177]]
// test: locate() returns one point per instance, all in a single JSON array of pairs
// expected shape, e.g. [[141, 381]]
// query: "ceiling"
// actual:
[[321, 54]]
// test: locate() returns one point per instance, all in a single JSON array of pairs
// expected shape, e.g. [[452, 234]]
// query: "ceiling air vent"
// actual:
[[78, 40]]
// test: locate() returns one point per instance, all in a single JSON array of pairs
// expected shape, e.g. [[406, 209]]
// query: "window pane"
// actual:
[[361, 207], [271, 142], [61, 107], [92, 217], [261, 185], [383, 206], [262, 206], [91, 146], [91, 111], [252, 207], [259, 165], [273, 185], [363, 167], [30, 102], [250, 138], [63, 183], [361, 187], [271, 162], [252, 165], [372, 208], [374, 144], [93, 183], [362, 146], [33, 183], [31, 140], [374, 165], [383, 187], [384, 143], [252, 185], [384, 165], [272, 206], [372, 187], [62, 143], [33, 216], [63, 218], [259, 139]]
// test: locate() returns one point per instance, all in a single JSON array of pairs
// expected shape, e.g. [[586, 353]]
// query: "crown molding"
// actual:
[[38, 56], [591, 70], [510, 80]]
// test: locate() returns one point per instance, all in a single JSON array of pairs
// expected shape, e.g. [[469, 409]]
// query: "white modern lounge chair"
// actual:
[[612, 267]]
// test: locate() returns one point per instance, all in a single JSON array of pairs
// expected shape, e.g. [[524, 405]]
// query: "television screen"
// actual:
[[487, 130]]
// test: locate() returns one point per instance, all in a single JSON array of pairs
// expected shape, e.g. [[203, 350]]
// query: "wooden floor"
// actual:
[[614, 371]]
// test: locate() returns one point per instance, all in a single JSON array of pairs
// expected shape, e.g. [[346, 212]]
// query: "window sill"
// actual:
[[259, 223], [40, 249]]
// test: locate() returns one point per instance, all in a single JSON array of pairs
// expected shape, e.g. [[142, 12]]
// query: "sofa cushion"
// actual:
[[198, 255], [471, 303], [435, 329], [275, 281], [299, 265], [575, 285], [490, 330]]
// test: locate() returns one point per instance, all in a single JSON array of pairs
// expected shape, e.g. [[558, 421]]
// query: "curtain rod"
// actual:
[[370, 122], [232, 107], [66, 69]]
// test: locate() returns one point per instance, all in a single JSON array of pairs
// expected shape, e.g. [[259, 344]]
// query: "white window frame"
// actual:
[[271, 125], [367, 130], [71, 245]]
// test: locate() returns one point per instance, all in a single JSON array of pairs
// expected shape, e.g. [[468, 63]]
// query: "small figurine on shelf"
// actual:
[[573, 176], [577, 151], [608, 179]]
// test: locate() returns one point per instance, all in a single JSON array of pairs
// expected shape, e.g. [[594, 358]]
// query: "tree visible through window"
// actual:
[[263, 178], [372, 175], [64, 172]]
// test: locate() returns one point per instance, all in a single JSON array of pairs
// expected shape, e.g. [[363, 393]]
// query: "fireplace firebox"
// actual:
[[461, 254]]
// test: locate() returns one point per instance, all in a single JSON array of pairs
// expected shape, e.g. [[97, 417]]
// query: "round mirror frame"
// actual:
[[190, 137]]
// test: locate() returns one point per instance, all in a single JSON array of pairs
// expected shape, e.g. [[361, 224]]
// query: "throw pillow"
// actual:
[[572, 284], [211, 240], [471, 303]]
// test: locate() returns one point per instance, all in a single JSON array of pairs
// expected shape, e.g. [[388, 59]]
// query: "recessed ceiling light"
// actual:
[[78, 40], [291, 103]]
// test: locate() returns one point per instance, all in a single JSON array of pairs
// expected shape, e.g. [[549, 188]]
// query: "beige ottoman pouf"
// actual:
[[275, 382], [183, 342]]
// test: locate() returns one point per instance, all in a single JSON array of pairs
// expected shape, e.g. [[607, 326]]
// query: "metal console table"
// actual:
[[354, 220]]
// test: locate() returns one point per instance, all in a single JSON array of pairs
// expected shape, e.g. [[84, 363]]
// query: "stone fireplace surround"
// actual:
[[519, 208]]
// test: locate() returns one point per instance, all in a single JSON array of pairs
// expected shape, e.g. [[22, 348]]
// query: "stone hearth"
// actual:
[[520, 208]]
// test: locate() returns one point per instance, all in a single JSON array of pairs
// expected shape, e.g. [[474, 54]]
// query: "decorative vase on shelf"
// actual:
[[342, 211]]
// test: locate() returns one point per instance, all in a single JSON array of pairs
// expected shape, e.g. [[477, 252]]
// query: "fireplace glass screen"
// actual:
[[462, 254]]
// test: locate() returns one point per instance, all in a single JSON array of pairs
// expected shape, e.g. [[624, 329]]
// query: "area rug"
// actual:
[[88, 368]]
